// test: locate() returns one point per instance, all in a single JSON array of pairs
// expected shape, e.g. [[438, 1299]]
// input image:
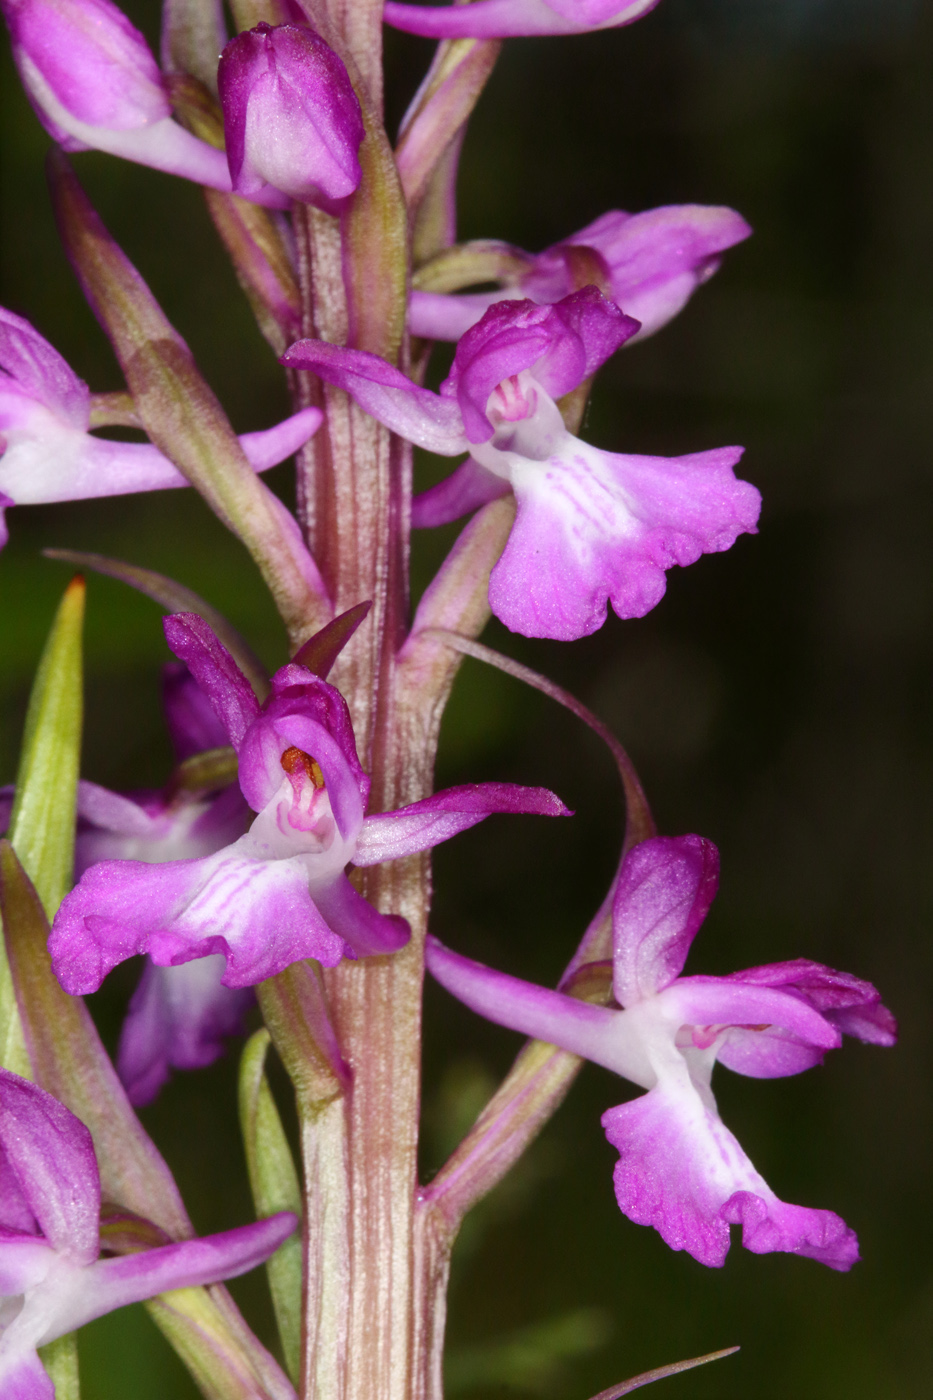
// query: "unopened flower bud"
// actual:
[[292, 119], [81, 61]]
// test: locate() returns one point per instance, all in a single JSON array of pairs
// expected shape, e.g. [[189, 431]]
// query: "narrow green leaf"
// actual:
[[42, 824], [60, 1360], [274, 1183], [174, 597], [43, 818]]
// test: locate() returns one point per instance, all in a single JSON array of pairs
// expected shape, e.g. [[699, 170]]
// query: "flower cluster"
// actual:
[[275, 867]]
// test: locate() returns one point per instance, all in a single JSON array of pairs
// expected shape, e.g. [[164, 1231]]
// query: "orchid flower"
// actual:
[[178, 1017], [591, 525], [51, 1278], [506, 19], [292, 119], [47, 452], [279, 893], [654, 262], [680, 1169], [95, 85]]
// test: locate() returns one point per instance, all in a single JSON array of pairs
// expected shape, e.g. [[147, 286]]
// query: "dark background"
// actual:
[[777, 701]]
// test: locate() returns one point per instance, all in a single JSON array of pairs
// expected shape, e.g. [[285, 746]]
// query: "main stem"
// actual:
[[354, 493]]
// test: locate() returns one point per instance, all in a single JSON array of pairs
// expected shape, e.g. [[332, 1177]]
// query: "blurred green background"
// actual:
[[778, 700]]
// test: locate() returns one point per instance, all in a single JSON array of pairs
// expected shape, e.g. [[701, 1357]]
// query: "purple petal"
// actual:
[[40, 370], [506, 19], [148, 827], [114, 1283], [215, 671], [851, 1004], [681, 1171], [665, 888], [320, 652], [414, 413], [257, 913], [271, 446], [47, 460], [26, 1260], [438, 316], [51, 1154], [24, 1377], [593, 525], [291, 116], [655, 259], [424, 824], [766, 1053], [577, 1026], [720, 1001], [193, 725], [467, 488], [561, 345], [306, 713], [90, 59], [179, 1017], [7, 795], [363, 928], [15, 1214]]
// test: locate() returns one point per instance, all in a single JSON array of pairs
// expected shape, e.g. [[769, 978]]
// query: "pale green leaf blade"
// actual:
[[275, 1186]]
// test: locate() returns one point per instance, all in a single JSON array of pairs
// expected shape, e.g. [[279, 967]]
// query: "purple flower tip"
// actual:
[[84, 59], [292, 119]]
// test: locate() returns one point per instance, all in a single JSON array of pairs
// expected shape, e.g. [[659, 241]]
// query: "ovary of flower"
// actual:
[[680, 1169]]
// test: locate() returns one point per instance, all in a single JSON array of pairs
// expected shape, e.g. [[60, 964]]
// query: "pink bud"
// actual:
[[292, 118], [82, 59]]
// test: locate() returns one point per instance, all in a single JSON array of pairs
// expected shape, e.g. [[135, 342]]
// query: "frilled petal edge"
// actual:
[[257, 913], [681, 1171], [594, 525]]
